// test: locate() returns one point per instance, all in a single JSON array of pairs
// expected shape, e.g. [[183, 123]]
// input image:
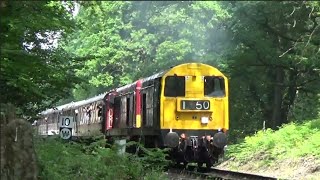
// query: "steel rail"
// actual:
[[215, 173]]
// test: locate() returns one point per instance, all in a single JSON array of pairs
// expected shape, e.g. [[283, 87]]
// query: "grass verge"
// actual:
[[294, 148]]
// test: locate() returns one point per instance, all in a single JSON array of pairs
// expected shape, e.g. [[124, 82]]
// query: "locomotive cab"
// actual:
[[194, 112]]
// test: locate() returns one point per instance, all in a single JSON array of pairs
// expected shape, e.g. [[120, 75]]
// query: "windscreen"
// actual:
[[175, 86], [214, 86]]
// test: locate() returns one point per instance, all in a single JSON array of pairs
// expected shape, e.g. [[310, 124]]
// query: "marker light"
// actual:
[[204, 120]]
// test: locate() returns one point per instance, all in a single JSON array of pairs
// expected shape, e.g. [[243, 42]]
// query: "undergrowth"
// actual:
[[58, 159], [290, 141]]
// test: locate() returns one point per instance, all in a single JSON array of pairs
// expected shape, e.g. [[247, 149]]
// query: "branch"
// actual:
[[259, 57], [311, 36], [85, 58], [269, 65], [307, 81], [280, 34], [311, 11], [288, 50], [294, 9], [306, 90], [12, 52]]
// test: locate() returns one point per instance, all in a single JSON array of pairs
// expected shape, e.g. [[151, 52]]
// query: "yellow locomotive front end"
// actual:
[[194, 108]]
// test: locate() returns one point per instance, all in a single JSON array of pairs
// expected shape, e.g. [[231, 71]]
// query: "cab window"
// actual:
[[214, 86], [175, 86]]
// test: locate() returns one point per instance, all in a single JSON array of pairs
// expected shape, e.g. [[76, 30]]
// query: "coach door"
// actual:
[[123, 112], [147, 106], [117, 112], [108, 108], [130, 110]]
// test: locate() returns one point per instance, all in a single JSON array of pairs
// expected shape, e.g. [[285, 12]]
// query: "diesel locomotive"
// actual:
[[184, 108]]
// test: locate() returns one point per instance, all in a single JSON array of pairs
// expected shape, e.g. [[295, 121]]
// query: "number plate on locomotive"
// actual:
[[195, 105]]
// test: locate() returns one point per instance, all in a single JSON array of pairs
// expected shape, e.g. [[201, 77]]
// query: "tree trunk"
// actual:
[[277, 101], [18, 158], [290, 95]]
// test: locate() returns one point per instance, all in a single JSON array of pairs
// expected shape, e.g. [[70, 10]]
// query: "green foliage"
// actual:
[[291, 141], [306, 105], [269, 50], [272, 60], [130, 40], [69, 160], [34, 73], [151, 158]]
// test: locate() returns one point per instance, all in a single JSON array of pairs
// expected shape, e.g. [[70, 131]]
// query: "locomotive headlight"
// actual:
[[204, 120]]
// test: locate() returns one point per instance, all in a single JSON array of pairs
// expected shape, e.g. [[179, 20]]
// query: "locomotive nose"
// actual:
[[219, 140]]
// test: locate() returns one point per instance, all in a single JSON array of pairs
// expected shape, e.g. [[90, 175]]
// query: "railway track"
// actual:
[[191, 172]]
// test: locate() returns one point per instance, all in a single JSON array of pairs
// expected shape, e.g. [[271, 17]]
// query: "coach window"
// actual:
[[99, 110], [175, 86], [214, 86]]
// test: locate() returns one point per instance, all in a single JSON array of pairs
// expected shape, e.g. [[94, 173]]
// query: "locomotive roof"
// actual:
[[155, 76], [132, 85]]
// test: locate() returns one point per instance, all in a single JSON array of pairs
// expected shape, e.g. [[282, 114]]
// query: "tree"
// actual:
[[131, 40], [34, 73], [269, 50], [275, 59]]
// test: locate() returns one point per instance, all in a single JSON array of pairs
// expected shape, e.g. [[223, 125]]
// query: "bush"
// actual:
[[59, 159]]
